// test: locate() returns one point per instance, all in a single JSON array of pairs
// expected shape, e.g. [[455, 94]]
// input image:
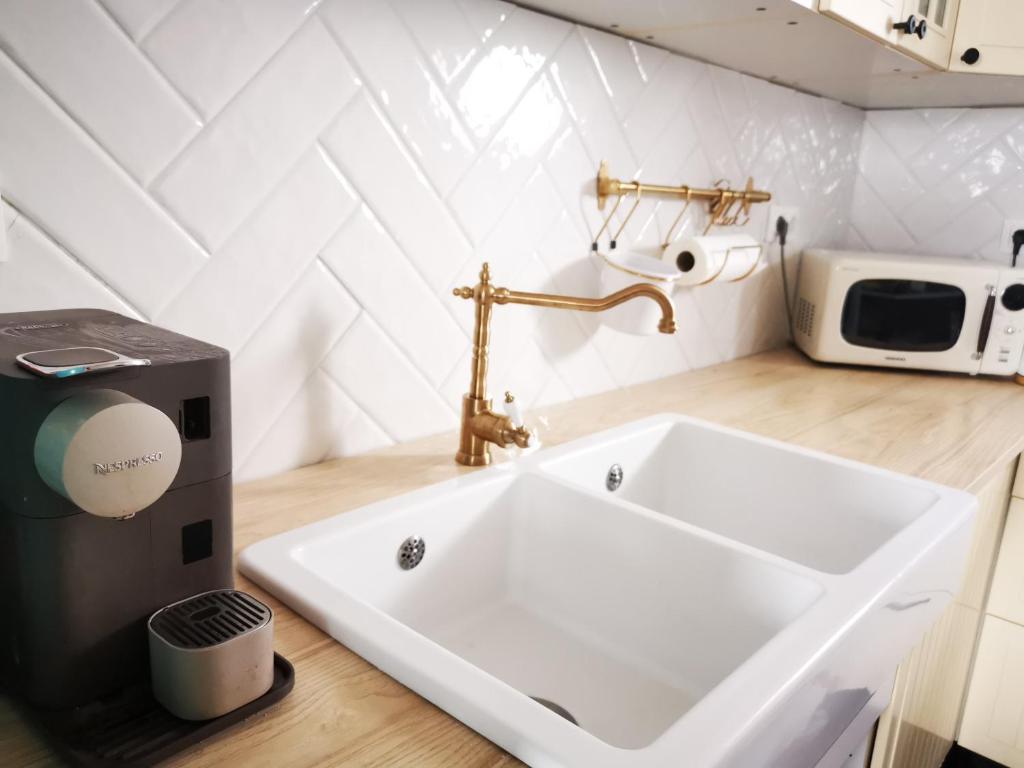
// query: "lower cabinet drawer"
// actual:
[[993, 722]]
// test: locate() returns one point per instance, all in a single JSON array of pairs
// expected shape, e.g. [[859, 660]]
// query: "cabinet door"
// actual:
[[994, 717], [875, 17], [1006, 600], [988, 33], [939, 17], [918, 728]]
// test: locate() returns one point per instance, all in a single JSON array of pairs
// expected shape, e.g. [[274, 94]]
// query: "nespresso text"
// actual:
[[123, 464]]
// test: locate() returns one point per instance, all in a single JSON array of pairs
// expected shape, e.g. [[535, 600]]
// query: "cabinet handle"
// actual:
[[971, 56], [986, 322], [909, 26], [912, 26]]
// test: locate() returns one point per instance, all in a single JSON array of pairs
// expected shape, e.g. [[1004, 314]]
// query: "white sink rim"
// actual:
[[505, 715]]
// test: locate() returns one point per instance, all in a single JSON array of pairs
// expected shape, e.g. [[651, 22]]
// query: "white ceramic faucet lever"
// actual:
[[512, 410]]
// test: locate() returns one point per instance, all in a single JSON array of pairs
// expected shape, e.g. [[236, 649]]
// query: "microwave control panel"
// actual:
[[1006, 336]]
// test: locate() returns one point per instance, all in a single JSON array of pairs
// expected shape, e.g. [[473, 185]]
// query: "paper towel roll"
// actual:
[[714, 258]]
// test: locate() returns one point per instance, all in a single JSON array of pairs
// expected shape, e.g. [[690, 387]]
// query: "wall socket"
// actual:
[[1006, 242], [790, 213]]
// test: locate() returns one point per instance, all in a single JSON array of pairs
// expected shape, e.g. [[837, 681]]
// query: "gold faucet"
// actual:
[[480, 425]]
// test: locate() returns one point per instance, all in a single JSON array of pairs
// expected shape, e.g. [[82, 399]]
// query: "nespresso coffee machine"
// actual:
[[115, 499]]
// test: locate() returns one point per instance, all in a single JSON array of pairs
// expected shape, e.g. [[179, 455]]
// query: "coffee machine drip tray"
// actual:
[[130, 729]]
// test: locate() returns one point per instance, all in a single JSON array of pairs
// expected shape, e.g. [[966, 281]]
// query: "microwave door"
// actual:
[[924, 323]]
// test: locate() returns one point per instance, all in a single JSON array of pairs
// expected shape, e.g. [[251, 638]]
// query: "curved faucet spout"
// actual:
[[667, 324], [480, 425]]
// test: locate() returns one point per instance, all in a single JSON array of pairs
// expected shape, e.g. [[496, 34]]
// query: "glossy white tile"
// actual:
[[876, 224], [210, 50], [69, 186], [404, 86], [588, 101], [959, 140], [905, 130], [382, 381], [366, 148], [376, 272], [485, 16], [256, 268], [514, 54], [888, 175], [946, 179], [617, 62], [320, 422], [56, 281], [444, 32], [509, 160], [251, 145], [81, 58], [290, 345], [665, 96], [138, 17]]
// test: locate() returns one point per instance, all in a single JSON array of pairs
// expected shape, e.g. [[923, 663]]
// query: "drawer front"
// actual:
[[993, 723]]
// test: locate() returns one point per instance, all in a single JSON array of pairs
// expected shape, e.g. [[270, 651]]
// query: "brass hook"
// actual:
[[671, 230], [607, 220], [625, 221]]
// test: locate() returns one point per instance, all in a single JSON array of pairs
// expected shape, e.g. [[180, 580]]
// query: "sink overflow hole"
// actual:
[[411, 552], [560, 711], [614, 478]]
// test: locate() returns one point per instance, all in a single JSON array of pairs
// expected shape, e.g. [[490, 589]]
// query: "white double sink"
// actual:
[[736, 601]]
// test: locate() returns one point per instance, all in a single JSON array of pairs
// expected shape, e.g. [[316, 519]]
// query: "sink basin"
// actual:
[[734, 602], [544, 588], [791, 503]]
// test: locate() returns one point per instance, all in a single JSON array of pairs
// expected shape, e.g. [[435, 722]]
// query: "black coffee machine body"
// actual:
[[86, 556]]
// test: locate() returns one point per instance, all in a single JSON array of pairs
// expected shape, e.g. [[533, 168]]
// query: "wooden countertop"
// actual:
[[343, 712]]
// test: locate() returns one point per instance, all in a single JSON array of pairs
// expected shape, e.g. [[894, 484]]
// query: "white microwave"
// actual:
[[910, 312]]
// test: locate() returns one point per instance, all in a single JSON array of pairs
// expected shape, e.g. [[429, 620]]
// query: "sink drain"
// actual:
[[560, 711], [411, 552], [613, 479]]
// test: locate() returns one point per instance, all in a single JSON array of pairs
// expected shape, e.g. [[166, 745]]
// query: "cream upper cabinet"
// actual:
[[920, 28], [866, 53], [874, 17], [928, 30], [989, 37]]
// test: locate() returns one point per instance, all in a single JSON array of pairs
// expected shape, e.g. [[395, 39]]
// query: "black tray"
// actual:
[[131, 730]]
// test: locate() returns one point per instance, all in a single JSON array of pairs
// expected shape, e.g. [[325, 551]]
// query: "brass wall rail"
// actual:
[[724, 204]]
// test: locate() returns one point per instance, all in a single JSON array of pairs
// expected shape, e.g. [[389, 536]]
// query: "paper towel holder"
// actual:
[[725, 263]]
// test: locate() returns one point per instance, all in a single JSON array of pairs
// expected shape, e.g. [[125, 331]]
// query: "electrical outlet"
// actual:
[[789, 212], [1009, 227]]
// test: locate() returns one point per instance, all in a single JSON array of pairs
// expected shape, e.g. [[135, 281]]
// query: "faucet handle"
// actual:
[[465, 292], [513, 411], [519, 434]]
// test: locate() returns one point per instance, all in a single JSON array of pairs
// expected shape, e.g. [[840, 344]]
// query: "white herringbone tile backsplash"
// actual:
[[304, 182], [939, 182]]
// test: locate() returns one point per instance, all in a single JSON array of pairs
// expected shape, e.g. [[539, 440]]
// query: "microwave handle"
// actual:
[[986, 321]]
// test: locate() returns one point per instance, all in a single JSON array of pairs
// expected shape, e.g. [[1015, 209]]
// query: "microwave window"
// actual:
[[905, 315]]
